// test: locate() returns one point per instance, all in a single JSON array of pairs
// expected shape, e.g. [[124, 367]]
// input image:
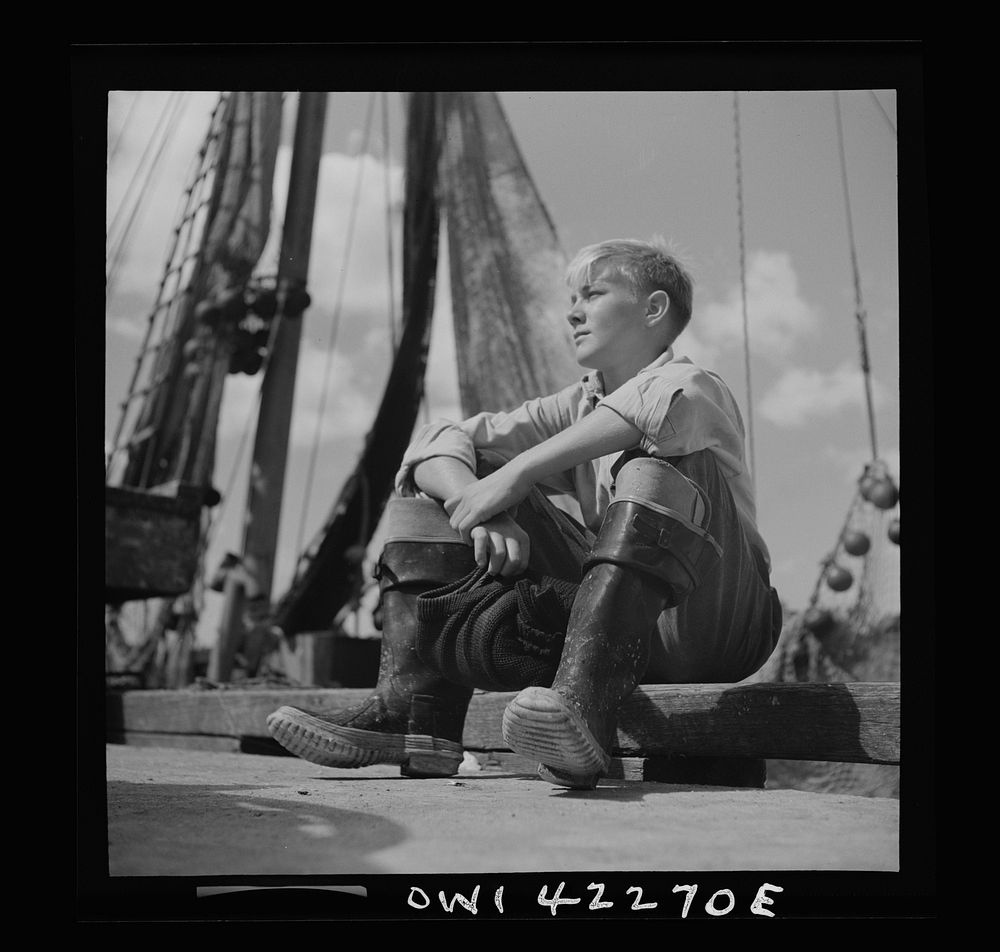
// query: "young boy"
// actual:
[[486, 583]]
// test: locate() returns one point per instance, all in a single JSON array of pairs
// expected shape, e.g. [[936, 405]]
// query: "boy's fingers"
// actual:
[[498, 553], [461, 521], [480, 545], [514, 563]]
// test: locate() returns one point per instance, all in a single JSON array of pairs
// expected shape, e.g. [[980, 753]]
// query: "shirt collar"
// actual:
[[593, 386], [593, 383]]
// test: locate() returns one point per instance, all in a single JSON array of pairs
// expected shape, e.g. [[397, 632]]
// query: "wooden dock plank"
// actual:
[[177, 741], [854, 722]]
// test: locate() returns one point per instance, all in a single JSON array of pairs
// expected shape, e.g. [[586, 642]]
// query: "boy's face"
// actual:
[[606, 320]]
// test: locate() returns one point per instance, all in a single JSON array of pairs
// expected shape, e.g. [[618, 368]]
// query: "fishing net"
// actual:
[[506, 264]]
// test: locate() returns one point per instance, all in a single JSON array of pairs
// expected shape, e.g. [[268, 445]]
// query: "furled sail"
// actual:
[[175, 431], [508, 296]]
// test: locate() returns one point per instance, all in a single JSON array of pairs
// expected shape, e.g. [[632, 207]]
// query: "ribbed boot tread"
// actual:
[[540, 724], [333, 745]]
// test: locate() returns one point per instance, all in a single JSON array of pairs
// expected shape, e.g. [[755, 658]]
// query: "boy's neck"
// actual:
[[614, 377]]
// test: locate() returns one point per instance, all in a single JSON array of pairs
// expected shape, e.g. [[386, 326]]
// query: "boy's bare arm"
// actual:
[[442, 476], [598, 434], [499, 541]]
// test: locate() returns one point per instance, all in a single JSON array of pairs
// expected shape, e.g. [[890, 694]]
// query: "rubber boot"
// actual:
[[651, 552], [414, 717]]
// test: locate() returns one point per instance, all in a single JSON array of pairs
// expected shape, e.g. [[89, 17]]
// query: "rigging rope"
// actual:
[[121, 243], [881, 109], [388, 221], [743, 280], [121, 132], [120, 252], [202, 170], [150, 144], [859, 309], [335, 326]]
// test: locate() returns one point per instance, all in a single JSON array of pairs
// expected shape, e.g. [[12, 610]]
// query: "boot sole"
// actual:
[[573, 781], [538, 723], [329, 745]]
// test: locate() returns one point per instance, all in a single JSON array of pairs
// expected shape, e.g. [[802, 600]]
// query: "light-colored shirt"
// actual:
[[678, 407]]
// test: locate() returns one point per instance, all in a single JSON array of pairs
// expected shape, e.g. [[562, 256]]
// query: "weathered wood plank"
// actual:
[[851, 722], [182, 741], [226, 711], [856, 722]]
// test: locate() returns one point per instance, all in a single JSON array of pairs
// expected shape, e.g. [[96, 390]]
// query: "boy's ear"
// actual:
[[657, 306]]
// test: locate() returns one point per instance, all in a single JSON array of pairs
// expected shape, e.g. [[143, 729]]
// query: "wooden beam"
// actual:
[[855, 722], [849, 722], [181, 741]]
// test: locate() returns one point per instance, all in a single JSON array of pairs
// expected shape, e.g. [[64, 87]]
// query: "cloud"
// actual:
[[346, 410], [777, 314], [801, 395], [374, 190], [348, 407], [127, 327]]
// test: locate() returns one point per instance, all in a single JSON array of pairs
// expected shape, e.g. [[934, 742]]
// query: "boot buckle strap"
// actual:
[[652, 534], [691, 552]]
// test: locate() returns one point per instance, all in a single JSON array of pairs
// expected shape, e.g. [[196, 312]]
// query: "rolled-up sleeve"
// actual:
[[504, 435], [681, 414], [442, 438]]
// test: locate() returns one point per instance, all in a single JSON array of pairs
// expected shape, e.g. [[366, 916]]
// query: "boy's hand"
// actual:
[[503, 544], [479, 502]]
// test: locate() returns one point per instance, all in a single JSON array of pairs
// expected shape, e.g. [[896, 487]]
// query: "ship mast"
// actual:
[[267, 473]]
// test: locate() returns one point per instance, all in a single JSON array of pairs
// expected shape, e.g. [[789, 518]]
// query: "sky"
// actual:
[[607, 164]]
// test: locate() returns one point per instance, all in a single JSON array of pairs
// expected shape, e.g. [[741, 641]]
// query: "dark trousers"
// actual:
[[723, 632]]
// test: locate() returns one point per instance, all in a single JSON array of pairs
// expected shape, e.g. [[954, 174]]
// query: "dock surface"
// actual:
[[177, 812]]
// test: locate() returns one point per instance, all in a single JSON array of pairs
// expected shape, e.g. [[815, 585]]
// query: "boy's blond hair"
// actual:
[[646, 266]]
